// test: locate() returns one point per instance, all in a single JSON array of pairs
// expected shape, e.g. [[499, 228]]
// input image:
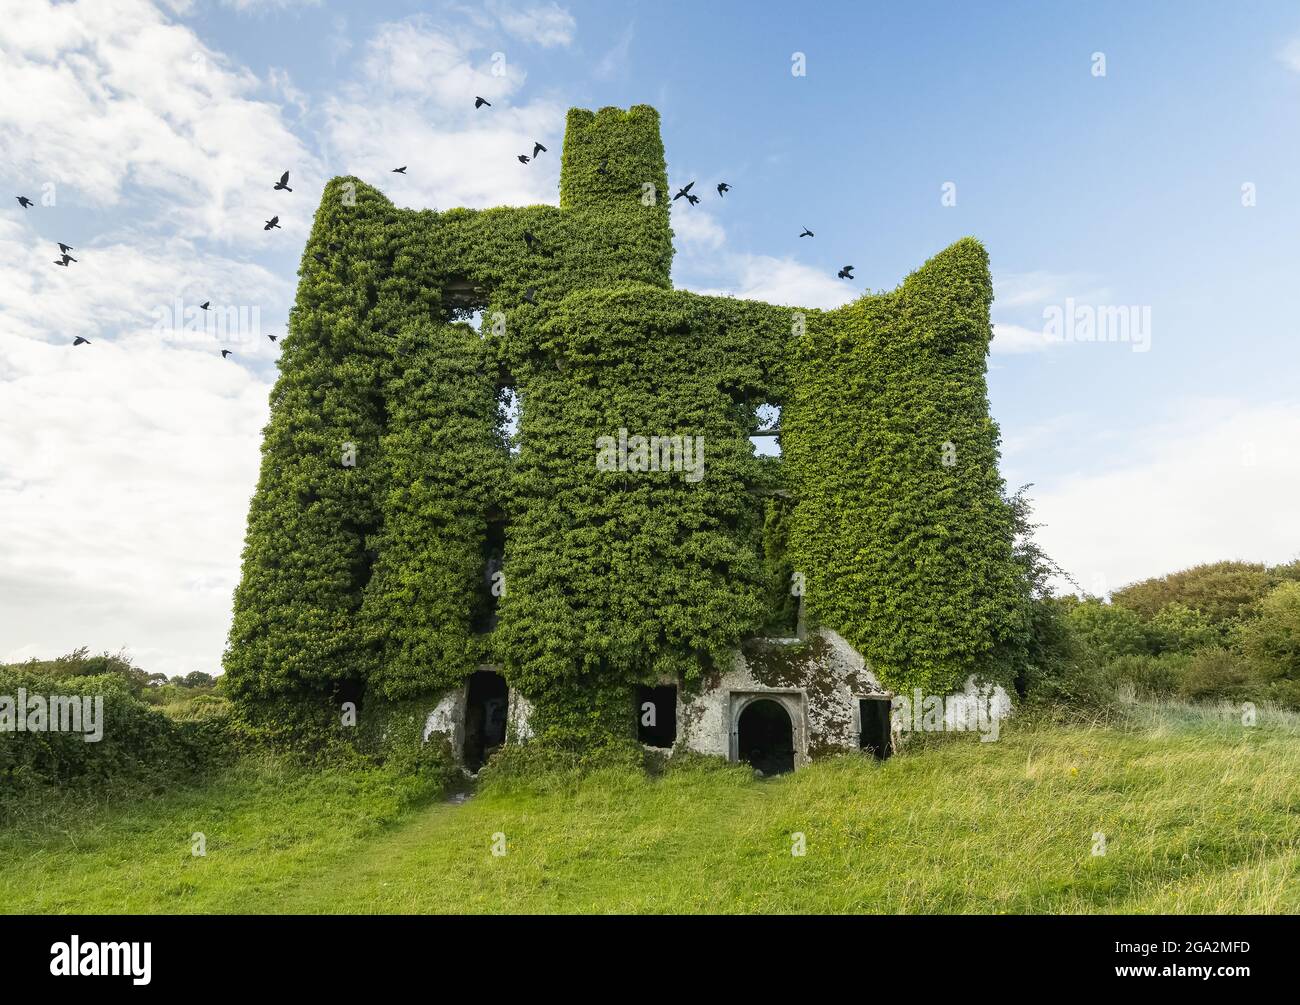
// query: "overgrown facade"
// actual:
[[399, 543]]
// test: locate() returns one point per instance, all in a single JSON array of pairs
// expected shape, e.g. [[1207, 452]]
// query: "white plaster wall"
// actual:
[[448, 718], [821, 696]]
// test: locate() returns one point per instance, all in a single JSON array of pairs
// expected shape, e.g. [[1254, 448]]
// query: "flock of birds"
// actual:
[[65, 258]]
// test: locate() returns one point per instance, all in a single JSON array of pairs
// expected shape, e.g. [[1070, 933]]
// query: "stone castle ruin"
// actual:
[[624, 566]]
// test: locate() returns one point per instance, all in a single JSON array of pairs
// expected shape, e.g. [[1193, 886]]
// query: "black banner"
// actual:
[[938, 955]]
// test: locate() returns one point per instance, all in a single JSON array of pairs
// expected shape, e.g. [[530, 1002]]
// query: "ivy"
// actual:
[[385, 460], [900, 526]]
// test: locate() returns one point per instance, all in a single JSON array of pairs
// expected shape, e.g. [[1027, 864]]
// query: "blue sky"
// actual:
[[125, 472]]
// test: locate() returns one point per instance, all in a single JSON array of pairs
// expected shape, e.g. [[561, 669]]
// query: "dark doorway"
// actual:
[[765, 737], [656, 715], [873, 714], [483, 616], [485, 717]]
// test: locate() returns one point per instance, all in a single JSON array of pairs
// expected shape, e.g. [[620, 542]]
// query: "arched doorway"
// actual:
[[765, 737], [486, 701]]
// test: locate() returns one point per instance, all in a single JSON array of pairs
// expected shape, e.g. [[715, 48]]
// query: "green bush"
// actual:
[[1216, 673], [1223, 592], [1150, 676], [1271, 644], [1181, 629], [139, 744], [1108, 631]]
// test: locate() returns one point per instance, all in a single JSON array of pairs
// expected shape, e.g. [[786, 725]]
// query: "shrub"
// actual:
[[1150, 676], [139, 744], [1221, 591], [1219, 673], [1271, 643], [1108, 631], [1179, 628]]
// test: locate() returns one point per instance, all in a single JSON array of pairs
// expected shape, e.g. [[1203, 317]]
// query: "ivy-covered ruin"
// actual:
[[390, 493]]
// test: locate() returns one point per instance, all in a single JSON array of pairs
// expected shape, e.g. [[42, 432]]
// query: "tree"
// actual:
[[1271, 643]]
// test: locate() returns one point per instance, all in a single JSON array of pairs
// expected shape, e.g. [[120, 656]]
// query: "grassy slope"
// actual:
[[1199, 816]]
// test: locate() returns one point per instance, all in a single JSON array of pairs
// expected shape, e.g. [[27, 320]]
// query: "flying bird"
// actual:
[[480, 102], [318, 256], [272, 337], [204, 306], [225, 353], [523, 158], [283, 183], [529, 295], [24, 202], [538, 149], [65, 248], [400, 170], [846, 272], [723, 187], [65, 260], [807, 233], [692, 199], [80, 341], [273, 223]]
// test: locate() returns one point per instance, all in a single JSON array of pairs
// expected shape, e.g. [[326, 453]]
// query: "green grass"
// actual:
[[1200, 815]]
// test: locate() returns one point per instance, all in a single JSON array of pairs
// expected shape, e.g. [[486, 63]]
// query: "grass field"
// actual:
[[1199, 815]]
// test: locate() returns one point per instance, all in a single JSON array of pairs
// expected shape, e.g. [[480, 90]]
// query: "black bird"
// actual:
[[225, 353], [400, 170], [273, 223], [846, 272], [80, 341], [692, 199], [480, 102], [65, 260], [272, 337], [723, 187], [807, 233], [24, 202], [538, 149], [283, 183], [204, 306], [604, 167], [529, 295], [523, 158], [318, 256], [65, 248], [530, 240]]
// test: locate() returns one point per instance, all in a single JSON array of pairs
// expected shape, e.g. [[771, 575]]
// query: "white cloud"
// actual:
[[124, 285], [615, 60], [1219, 482], [112, 101], [697, 229], [782, 281], [1290, 54], [246, 6], [125, 474], [1015, 339], [413, 105], [545, 24]]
